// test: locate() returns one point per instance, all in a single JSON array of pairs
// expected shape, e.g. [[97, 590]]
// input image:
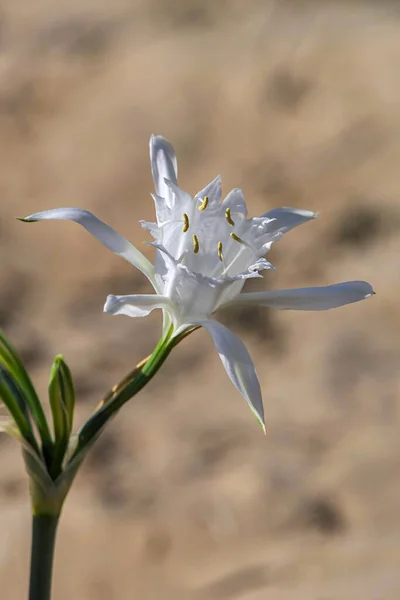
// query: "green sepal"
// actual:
[[13, 364], [62, 403]]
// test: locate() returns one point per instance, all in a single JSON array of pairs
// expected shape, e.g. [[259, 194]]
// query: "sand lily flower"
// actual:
[[205, 251]]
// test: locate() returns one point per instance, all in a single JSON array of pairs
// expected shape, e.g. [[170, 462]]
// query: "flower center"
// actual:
[[206, 243]]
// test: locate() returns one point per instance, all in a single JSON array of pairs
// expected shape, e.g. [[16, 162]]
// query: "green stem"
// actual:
[[44, 528], [114, 402], [93, 426]]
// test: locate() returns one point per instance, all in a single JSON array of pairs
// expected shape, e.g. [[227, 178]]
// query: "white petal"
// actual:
[[153, 228], [163, 212], [236, 202], [313, 298], [138, 305], [163, 164], [212, 191], [285, 219], [238, 365], [110, 238], [178, 198]]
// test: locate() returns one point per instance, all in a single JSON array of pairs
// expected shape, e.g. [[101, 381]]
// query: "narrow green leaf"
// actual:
[[15, 390], [15, 403], [59, 401], [57, 404], [12, 362], [68, 392]]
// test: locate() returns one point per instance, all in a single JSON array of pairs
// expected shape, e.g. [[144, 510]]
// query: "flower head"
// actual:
[[205, 251]]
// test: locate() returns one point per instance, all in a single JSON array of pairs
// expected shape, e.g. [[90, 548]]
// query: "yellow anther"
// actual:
[[203, 205], [220, 255], [196, 246], [185, 223], [236, 238], [228, 217]]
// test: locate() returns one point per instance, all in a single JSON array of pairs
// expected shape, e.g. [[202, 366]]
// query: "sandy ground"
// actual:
[[183, 497]]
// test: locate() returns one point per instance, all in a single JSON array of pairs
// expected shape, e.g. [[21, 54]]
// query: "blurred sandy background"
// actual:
[[183, 497]]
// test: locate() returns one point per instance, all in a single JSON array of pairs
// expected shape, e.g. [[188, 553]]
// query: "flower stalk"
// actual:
[[44, 530], [124, 391]]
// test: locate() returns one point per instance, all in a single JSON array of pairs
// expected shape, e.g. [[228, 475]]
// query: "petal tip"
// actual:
[[308, 214], [161, 141], [260, 419], [110, 301], [259, 415], [365, 288]]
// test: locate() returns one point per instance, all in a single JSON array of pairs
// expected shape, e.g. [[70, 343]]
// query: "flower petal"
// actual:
[[163, 164], [312, 298], [163, 212], [153, 228], [138, 305], [213, 191], [235, 202], [238, 365], [285, 219], [178, 199], [110, 238]]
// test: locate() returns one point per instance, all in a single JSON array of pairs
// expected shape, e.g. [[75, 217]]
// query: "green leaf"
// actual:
[[62, 403], [13, 364], [15, 403], [68, 392]]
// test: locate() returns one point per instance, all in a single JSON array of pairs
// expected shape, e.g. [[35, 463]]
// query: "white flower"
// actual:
[[205, 251]]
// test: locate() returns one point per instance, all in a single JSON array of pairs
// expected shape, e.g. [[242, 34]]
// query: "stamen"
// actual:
[[228, 217], [220, 255], [236, 238], [196, 246], [185, 223], [203, 205]]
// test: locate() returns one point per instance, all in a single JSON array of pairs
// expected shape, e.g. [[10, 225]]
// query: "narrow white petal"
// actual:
[[163, 212], [110, 238], [213, 191], [313, 298], [285, 219], [163, 164], [153, 228], [238, 365], [138, 305], [179, 199], [236, 202]]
